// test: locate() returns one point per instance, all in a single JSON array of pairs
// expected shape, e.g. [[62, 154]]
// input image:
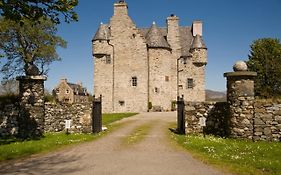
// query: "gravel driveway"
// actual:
[[108, 155]]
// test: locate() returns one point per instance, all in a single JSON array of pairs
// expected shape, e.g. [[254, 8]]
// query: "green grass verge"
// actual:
[[110, 118], [52, 141], [138, 134], [237, 156]]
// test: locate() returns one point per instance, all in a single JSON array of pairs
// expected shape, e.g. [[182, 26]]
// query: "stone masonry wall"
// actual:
[[55, 116], [266, 119], [130, 60], [162, 80], [216, 114], [9, 119]]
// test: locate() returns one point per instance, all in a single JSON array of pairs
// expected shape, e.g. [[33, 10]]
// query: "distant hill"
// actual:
[[215, 95]]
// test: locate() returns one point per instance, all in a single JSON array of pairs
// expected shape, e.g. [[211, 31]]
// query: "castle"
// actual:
[[140, 68]]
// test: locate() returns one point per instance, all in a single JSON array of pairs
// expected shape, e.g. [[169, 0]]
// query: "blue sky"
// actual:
[[229, 27]]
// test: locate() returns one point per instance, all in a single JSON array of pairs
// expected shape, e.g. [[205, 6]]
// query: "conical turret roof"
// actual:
[[198, 43], [155, 39], [103, 32]]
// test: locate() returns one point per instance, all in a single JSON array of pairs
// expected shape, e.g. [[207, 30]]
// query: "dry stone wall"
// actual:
[[55, 116], [79, 114], [216, 114], [267, 121], [8, 119], [264, 122]]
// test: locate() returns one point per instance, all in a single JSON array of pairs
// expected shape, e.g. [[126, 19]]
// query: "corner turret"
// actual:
[[198, 43], [198, 51]]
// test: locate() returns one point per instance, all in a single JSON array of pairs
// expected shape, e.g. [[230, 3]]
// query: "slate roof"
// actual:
[[186, 37], [78, 89], [198, 43], [103, 33], [155, 39]]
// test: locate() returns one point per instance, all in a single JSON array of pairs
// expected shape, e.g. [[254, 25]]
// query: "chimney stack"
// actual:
[[197, 28]]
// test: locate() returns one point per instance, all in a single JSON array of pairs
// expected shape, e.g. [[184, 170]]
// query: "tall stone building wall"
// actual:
[[161, 87], [146, 63], [130, 61], [195, 90], [103, 73]]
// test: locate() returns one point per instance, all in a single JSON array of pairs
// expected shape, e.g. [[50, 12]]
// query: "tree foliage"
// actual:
[[9, 87], [17, 10], [29, 43], [265, 59]]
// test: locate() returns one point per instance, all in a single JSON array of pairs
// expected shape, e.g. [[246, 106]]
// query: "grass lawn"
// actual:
[[237, 156], [110, 118], [138, 134], [52, 141]]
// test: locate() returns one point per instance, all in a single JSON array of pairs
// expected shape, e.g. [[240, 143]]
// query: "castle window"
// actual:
[[156, 90], [167, 78], [190, 83], [134, 81], [121, 103], [107, 59], [67, 91], [57, 91]]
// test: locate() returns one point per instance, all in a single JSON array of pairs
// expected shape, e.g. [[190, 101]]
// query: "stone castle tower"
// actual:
[[135, 68]]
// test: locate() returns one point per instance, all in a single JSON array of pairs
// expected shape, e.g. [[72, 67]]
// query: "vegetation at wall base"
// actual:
[[242, 157], [12, 148]]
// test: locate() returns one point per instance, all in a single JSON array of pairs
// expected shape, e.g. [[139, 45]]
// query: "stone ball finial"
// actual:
[[240, 66]]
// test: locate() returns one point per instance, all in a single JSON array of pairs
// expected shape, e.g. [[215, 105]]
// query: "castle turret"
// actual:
[[100, 41], [102, 33], [198, 51], [155, 39]]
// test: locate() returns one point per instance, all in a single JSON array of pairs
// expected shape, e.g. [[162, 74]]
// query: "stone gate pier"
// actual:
[[241, 99], [31, 106]]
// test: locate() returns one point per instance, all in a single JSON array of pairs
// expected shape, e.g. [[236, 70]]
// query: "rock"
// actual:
[[240, 66], [258, 121], [267, 131], [246, 122]]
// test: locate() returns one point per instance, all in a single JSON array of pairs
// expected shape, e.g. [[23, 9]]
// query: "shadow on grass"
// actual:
[[175, 131]]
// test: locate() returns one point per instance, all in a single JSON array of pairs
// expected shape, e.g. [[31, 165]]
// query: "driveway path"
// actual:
[[108, 155]]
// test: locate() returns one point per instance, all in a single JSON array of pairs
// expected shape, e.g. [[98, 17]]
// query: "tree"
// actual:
[[28, 44], [265, 59], [9, 87], [18, 10]]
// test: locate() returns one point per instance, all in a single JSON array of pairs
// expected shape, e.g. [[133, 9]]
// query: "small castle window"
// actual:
[[57, 91], [107, 59], [167, 78], [190, 83], [156, 90], [67, 91], [134, 35], [122, 103], [134, 81]]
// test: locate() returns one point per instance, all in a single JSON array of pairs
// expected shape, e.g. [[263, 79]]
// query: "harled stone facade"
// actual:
[[135, 67]]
